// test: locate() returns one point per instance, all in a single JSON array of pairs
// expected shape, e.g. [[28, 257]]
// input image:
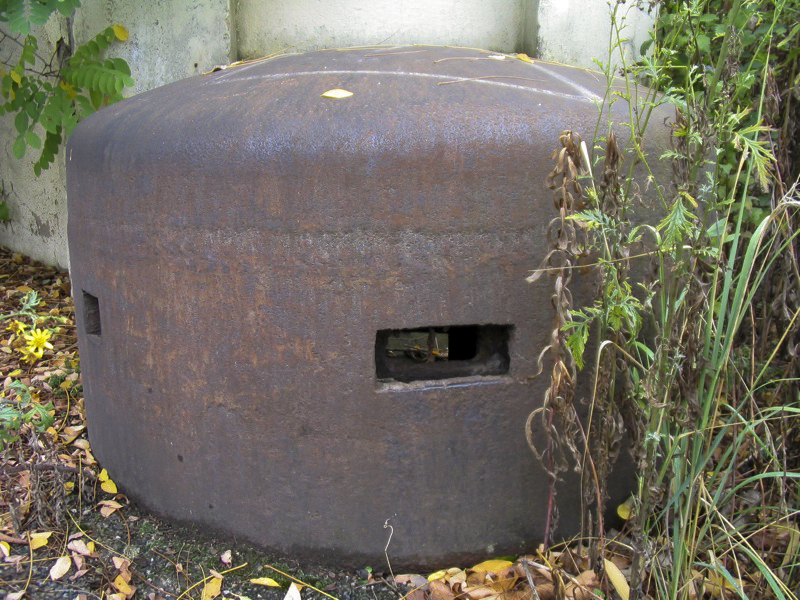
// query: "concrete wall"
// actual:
[[579, 32], [171, 40], [269, 26]]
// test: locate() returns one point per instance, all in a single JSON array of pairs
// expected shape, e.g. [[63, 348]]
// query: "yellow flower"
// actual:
[[17, 327], [37, 341], [30, 354]]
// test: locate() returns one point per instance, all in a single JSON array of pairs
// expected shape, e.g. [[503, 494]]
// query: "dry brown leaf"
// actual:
[[413, 581], [79, 546], [440, 590]]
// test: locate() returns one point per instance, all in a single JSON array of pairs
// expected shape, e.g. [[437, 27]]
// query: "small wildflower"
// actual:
[[38, 340], [30, 355], [17, 327]]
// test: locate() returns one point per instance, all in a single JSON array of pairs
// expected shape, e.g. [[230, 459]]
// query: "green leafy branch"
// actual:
[[57, 96]]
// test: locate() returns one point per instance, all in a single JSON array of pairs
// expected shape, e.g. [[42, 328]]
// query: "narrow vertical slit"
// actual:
[[91, 314]]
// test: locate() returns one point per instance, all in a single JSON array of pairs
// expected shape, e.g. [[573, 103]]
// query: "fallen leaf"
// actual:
[[211, 589], [293, 593], [5, 549], [437, 575], [265, 581], [413, 581], [439, 590], [337, 94], [79, 546], [492, 566], [108, 507], [225, 557], [37, 540], [15, 595], [524, 58], [625, 509], [109, 487], [617, 579], [60, 568], [123, 586]]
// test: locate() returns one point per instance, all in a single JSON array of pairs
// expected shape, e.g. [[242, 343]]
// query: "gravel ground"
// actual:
[[167, 560]]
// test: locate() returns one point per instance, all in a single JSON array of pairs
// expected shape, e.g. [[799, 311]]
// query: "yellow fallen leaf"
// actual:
[[337, 94], [437, 575], [83, 444], [60, 568], [120, 33], [617, 579], [69, 486], [109, 487], [625, 509], [79, 546], [211, 589], [122, 585], [37, 540], [265, 581], [5, 549], [103, 476], [492, 566], [524, 58]]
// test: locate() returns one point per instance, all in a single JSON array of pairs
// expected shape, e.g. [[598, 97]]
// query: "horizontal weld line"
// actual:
[[586, 94]]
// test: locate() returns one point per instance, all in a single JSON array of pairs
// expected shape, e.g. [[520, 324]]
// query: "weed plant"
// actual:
[[697, 366]]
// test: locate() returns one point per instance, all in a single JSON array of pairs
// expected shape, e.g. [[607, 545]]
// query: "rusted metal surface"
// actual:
[[241, 247]]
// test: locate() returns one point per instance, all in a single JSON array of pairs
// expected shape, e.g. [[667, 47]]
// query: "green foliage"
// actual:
[[21, 15], [56, 96], [697, 364], [22, 409]]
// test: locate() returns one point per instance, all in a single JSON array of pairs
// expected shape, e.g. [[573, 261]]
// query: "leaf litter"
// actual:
[[67, 532]]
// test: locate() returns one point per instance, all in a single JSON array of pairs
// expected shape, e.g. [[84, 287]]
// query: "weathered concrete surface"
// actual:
[[244, 241], [168, 40], [270, 26], [38, 226], [577, 32]]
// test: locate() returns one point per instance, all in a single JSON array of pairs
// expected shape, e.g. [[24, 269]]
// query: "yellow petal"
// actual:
[[120, 32], [265, 581], [337, 94], [211, 589], [60, 568]]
